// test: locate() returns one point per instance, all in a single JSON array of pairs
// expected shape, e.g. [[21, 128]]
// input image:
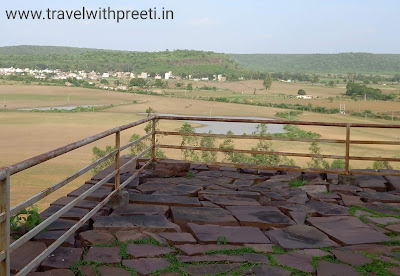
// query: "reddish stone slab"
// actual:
[[145, 266], [129, 235], [295, 260], [208, 204], [105, 255], [229, 193], [326, 268], [351, 258], [93, 237], [23, 255], [153, 186], [202, 215], [298, 217], [300, 237], [48, 237], [141, 209], [327, 209], [263, 217], [164, 200], [375, 182], [347, 230], [73, 214], [97, 195], [178, 238], [147, 250], [315, 252], [140, 223], [168, 168], [350, 201], [345, 189], [211, 269], [233, 234], [256, 258], [382, 220], [380, 197], [224, 201], [108, 270], [262, 247], [62, 258], [180, 190], [265, 270], [61, 224], [212, 258], [54, 272], [197, 249]]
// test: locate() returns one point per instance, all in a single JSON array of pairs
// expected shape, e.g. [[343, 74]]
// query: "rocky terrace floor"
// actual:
[[226, 221]]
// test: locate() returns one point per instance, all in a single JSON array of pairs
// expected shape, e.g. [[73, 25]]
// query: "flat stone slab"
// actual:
[[93, 237], [147, 250], [73, 214], [141, 209], [202, 215], [392, 181], [375, 182], [61, 224], [84, 204], [347, 230], [145, 266], [382, 220], [105, 255], [270, 271], [153, 186], [327, 209], [345, 189], [53, 272], [198, 249], [211, 269], [262, 247], [62, 258], [132, 235], [164, 200], [380, 197], [156, 223], [350, 201], [97, 195], [295, 260], [168, 168], [229, 193], [351, 258], [212, 258], [233, 234], [178, 238], [224, 201], [300, 237], [24, 254], [263, 217], [109, 270], [180, 190], [326, 268], [48, 237]]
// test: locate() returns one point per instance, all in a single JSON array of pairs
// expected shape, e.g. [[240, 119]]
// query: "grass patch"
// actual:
[[238, 251], [297, 183], [278, 249]]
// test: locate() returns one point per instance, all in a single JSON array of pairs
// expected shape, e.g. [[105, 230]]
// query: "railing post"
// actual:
[[153, 140], [5, 225], [117, 157], [347, 164]]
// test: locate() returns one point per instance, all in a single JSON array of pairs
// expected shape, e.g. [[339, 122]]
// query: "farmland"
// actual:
[[26, 134]]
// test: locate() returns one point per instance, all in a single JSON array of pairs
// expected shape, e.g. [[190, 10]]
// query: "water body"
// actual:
[[236, 128], [58, 107]]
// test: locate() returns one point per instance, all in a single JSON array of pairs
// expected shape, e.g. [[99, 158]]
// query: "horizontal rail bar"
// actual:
[[59, 213], [29, 202], [135, 158], [264, 121], [389, 159], [28, 163], [35, 262], [126, 182], [250, 137], [136, 141], [365, 142], [253, 152]]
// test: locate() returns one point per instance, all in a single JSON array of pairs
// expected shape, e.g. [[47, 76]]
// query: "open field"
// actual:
[[26, 134]]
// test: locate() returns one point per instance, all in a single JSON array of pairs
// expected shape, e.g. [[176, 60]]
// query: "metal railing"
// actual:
[[5, 173]]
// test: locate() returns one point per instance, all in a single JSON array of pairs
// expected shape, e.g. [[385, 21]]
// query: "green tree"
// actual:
[[316, 79], [191, 141], [316, 162], [382, 165], [268, 81], [137, 82], [99, 153], [208, 142], [104, 81], [301, 92], [189, 87]]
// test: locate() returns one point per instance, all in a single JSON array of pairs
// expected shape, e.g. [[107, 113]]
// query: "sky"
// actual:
[[228, 26]]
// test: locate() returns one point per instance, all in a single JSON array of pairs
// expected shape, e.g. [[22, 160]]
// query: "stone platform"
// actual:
[[228, 221]]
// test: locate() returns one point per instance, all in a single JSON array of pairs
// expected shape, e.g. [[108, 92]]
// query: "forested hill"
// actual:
[[362, 63], [196, 63]]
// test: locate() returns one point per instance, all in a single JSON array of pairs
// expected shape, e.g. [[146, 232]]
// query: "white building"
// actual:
[[105, 75]]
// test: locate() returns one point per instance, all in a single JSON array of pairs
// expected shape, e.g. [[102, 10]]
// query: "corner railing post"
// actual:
[[347, 164], [5, 225], [153, 140], [117, 157]]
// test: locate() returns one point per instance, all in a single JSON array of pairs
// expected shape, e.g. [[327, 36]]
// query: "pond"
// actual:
[[236, 128]]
